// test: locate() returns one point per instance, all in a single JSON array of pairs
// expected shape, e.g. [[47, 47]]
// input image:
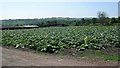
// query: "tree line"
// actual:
[[102, 19]]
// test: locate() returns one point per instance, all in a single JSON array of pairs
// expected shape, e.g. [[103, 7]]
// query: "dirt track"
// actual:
[[14, 57]]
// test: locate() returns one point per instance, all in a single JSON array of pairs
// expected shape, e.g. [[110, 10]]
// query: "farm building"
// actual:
[[18, 27]]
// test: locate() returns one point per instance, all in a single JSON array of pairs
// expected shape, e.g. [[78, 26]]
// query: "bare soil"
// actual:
[[15, 57]]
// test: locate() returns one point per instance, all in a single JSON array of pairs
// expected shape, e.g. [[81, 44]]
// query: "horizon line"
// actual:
[[57, 17]]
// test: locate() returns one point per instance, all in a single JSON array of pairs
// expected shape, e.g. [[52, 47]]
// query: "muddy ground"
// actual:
[[15, 57]]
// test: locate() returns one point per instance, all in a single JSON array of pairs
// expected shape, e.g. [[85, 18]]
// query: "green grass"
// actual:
[[107, 56], [99, 54]]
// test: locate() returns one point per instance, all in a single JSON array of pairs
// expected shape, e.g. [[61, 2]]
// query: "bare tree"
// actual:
[[102, 18]]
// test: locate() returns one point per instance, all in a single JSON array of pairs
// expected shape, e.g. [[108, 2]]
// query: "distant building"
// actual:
[[18, 27], [29, 26]]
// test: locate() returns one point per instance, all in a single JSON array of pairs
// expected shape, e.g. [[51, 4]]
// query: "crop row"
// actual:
[[55, 39]]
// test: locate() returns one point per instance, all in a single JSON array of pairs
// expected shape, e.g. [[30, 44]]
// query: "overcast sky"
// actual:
[[15, 10]]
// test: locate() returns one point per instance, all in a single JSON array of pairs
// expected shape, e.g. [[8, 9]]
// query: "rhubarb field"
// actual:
[[56, 39]]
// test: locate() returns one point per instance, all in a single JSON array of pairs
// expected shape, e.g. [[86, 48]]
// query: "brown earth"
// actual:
[[15, 57]]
